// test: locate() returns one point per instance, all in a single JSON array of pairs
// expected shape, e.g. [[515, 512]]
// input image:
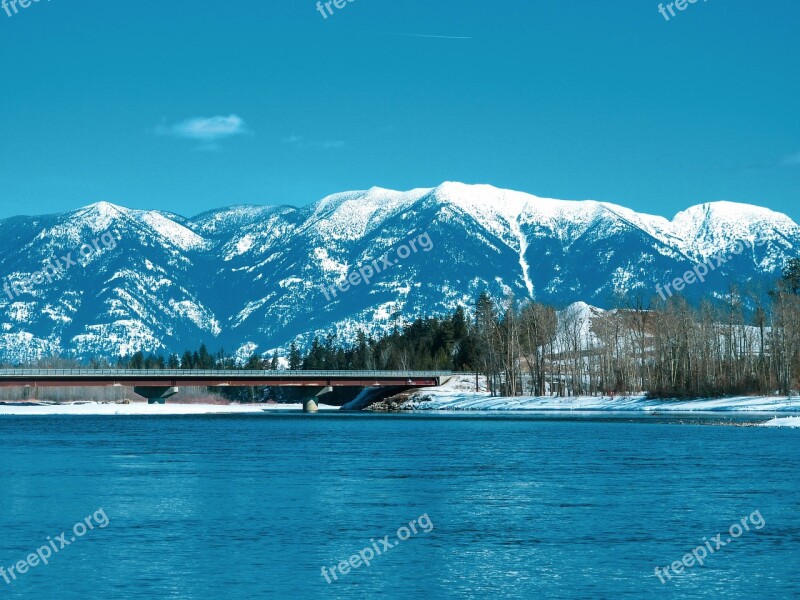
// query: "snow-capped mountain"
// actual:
[[251, 278]]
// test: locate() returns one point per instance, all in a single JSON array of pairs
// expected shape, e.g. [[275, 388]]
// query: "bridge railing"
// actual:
[[228, 373]]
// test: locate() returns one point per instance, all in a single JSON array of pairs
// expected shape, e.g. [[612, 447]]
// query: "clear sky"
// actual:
[[189, 105]]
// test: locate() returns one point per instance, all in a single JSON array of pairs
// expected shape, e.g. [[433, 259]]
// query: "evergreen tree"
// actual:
[[254, 363], [295, 358], [204, 359], [136, 361]]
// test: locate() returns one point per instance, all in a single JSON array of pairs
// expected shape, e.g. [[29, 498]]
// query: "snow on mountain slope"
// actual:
[[351, 216], [252, 277], [709, 229], [221, 222], [127, 282]]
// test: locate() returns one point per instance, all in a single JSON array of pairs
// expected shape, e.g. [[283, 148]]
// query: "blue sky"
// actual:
[[187, 106]]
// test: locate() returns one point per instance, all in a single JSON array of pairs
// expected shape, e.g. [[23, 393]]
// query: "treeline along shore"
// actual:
[[741, 344]]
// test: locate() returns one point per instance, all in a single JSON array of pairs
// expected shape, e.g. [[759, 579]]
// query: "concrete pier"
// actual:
[[312, 404]]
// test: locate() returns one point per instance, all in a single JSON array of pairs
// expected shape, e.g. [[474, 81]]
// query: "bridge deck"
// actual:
[[178, 377]]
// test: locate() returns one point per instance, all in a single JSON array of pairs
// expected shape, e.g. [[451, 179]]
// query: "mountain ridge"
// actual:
[[249, 277]]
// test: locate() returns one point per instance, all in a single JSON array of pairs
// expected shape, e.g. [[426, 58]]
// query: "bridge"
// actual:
[[156, 385]]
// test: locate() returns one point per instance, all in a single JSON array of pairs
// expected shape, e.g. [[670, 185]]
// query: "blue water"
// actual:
[[521, 507]]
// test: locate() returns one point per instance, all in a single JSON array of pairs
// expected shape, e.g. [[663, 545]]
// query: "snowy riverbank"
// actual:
[[459, 394], [444, 400], [142, 408], [783, 422]]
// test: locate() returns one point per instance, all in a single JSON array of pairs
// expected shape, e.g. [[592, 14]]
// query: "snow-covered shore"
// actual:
[[442, 400], [459, 394], [142, 408], [783, 422]]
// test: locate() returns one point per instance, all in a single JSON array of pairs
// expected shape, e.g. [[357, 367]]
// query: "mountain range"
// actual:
[[253, 278]]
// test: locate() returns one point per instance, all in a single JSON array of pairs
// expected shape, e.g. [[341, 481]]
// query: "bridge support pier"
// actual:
[[311, 405], [155, 395]]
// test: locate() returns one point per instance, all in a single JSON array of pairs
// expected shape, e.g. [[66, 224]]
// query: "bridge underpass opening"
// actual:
[[155, 395]]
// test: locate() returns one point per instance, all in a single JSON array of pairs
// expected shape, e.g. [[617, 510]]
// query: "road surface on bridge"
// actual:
[[221, 378]]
